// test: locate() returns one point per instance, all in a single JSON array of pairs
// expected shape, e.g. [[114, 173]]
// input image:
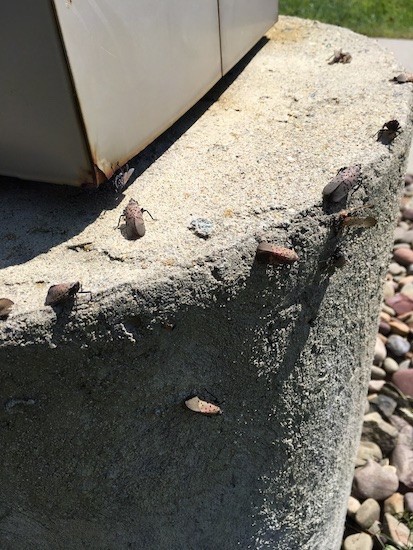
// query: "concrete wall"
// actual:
[[98, 450]]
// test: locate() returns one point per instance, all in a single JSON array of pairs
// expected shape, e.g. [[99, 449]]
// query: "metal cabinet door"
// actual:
[[242, 24], [137, 65]]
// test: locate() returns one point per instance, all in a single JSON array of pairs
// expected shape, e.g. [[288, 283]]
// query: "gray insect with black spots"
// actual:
[[135, 224], [347, 179]]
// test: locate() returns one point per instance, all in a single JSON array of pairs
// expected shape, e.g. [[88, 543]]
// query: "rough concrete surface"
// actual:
[[98, 451]]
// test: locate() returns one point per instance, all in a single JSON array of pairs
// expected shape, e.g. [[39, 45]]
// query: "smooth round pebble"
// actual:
[[368, 450], [398, 234], [376, 385], [385, 316], [388, 289], [384, 328], [396, 269], [404, 364], [389, 310], [368, 513], [394, 504], [359, 541], [390, 365], [408, 236], [403, 379], [407, 290], [397, 345], [410, 269], [398, 327], [380, 352], [352, 506], [400, 245], [403, 256], [377, 373]]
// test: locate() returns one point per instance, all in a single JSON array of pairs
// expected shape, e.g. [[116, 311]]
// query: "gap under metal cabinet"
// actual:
[[87, 85]]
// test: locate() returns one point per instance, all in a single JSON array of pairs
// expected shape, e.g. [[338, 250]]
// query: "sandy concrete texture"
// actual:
[[97, 448]]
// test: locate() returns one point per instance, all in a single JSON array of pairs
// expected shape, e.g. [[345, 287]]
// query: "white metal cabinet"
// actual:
[[242, 24], [87, 84], [137, 66]]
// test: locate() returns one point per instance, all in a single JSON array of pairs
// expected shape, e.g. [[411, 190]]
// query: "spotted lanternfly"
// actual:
[[339, 57], [6, 306], [349, 218], [57, 294], [269, 254], [402, 78], [120, 180], [135, 224], [346, 179], [388, 132], [198, 405]]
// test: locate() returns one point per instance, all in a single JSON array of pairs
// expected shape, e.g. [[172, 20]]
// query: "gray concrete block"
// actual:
[[98, 449]]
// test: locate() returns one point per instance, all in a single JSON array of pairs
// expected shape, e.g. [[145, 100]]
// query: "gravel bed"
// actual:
[[380, 508]]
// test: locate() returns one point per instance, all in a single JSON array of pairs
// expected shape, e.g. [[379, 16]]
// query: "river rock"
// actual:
[[386, 405], [380, 352], [398, 327], [366, 450], [402, 455], [394, 504], [368, 513], [403, 379], [390, 365], [399, 303], [403, 256], [377, 373], [379, 431], [397, 345], [375, 481], [352, 506], [397, 531], [359, 541], [407, 290]]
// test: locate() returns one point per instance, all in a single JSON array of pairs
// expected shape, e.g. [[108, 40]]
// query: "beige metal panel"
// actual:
[[243, 23], [137, 66], [40, 134]]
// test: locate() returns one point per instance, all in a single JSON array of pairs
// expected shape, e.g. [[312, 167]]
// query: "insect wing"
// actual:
[[204, 407], [353, 221], [127, 175]]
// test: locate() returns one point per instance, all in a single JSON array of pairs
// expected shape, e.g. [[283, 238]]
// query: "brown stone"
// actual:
[[394, 504], [403, 379], [403, 256], [398, 327]]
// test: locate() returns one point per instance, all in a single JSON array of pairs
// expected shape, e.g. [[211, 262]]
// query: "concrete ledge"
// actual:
[[98, 450]]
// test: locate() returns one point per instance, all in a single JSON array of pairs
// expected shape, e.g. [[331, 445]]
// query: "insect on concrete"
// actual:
[[121, 178], [339, 57], [63, 292], [388, 132], [6, 306], [198, 405], [269, 254], [402, 78], [350, 218], [135, 224], [347, 179]]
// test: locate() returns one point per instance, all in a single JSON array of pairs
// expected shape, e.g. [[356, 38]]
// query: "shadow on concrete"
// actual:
[[38, 216]]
